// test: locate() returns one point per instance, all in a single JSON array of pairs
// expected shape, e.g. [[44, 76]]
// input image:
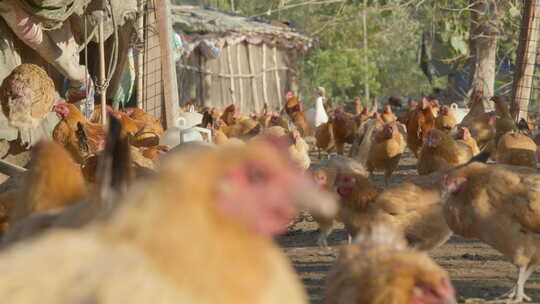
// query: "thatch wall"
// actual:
[[244, 74], [233, 59]]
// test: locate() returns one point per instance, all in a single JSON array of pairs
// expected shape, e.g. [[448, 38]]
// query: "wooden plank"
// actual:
[[278, 81], [265, 92], [254, 91], [168, 70]]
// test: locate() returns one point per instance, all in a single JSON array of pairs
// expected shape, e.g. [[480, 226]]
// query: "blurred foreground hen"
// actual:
[[379, 269], [150, 242], [53, 181]]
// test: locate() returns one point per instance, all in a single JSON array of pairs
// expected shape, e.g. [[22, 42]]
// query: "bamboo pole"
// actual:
[[240, 81], [253, 80], [102, 76], [265, 93], [222, 75], [278, 80], [168, 66], [523, 79]]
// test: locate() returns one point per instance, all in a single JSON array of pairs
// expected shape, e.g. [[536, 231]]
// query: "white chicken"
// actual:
[[317, 116]]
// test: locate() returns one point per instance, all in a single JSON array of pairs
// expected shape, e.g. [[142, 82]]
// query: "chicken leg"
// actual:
[[322, 240], [387, 179], [517, 293]]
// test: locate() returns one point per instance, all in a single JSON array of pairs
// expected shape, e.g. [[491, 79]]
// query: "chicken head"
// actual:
[[444, 110], [265, 191], [320, 178], [289, 95], [463, 133], [344, 184], [390, 130], [61, 110], [452, 185], [424, 103], [432, 289], [339, 113], [434, 138]]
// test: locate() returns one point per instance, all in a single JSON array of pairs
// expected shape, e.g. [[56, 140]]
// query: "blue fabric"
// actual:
[[127, 83], [178, 46]]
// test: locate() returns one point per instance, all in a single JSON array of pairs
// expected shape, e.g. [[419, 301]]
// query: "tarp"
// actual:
[[52, 13], [125, 90]]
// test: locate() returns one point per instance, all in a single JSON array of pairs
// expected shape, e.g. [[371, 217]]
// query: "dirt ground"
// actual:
[[478, 272]]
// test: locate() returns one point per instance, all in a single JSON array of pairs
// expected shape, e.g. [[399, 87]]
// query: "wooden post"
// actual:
[[152, 78], [140, 54], [231, 72], [265, 93], [202, 83], [523, 78], [168, 66], [10, 169], [102, 76], [253, 79], [366, 60], [240, 80], [278, 80]]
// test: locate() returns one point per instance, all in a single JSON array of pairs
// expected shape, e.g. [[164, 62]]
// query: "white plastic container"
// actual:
[[459, 113], [183, 131]]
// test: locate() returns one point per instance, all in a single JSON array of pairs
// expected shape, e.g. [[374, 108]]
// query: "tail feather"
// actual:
[[381, 234], [82, 138], [115, 171], [482, 157]]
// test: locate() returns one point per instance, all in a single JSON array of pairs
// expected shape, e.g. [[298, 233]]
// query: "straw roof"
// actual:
[[208, 23]]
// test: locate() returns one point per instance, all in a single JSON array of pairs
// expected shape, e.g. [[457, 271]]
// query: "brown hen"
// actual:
[[379, 269]]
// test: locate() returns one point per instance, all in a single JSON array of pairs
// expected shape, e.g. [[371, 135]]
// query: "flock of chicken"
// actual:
[[107, 215], [455, 192]]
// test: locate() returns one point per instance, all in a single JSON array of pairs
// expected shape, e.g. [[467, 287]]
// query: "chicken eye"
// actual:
[[256, 176]]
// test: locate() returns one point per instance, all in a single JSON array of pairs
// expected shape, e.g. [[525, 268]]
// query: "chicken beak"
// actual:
[[317, 202], [451, 300]]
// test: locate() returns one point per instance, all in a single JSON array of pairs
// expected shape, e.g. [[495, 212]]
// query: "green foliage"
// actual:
[[450, 20], [393, 32]]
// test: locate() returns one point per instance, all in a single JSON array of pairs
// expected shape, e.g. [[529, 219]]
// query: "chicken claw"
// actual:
[[517, 293]]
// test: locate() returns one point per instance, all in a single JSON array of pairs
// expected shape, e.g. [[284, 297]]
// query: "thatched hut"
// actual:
[[232, 59]]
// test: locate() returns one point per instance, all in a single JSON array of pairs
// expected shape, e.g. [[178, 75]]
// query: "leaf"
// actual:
[[459, 44], [514, 11], [386, 14]]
